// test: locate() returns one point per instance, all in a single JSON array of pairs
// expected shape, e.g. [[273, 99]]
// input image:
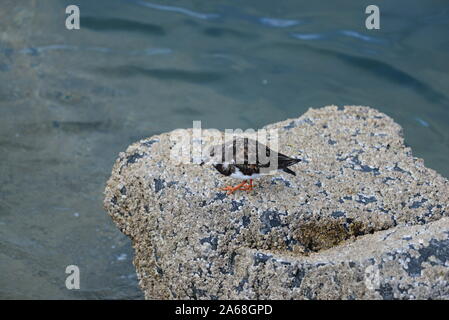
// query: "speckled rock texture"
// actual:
[[362, 219]]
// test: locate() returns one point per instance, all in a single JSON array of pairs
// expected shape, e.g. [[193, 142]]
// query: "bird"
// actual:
[[247, 161]]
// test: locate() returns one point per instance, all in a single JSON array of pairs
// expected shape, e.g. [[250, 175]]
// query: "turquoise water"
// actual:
[[72, 100]]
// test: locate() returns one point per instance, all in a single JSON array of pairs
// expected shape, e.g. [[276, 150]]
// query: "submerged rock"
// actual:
[[362, 218]]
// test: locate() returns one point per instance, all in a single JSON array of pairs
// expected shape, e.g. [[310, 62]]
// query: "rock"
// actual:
[[362, 219]]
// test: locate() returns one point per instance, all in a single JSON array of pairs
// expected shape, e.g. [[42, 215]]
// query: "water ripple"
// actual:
[[361, 36], [34, 51], [308, 36], [385, 71], [230, 12], [190, 13], [346, 33], [278, 23], [422, 122], [163, 74], [118, 24]]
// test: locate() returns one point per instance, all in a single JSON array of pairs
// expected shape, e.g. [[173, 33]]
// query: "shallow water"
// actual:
[[70, 101]]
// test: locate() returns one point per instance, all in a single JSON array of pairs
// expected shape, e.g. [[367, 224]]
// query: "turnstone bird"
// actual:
[[247, 161]]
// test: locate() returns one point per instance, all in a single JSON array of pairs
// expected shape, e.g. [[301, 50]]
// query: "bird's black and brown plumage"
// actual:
[[247, 159]]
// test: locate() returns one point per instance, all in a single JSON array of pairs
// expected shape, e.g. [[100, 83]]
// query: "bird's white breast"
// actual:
[[239, 175]]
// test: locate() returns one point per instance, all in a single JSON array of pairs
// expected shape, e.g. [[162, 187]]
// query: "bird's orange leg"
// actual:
[[248, 187], [241, 186]]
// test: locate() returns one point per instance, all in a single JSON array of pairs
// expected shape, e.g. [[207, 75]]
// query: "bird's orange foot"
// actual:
[[244, 186]]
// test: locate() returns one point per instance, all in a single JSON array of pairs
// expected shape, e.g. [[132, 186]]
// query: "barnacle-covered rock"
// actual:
[[362, 218]]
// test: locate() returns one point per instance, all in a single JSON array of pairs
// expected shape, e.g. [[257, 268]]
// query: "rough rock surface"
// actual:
[[363, 218]]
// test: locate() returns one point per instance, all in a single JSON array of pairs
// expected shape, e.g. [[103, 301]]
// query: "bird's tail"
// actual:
[[287, 161], [291, 162], [287, 170]]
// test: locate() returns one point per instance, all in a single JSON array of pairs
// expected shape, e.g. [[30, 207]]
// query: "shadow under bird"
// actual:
[[248, 159]]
